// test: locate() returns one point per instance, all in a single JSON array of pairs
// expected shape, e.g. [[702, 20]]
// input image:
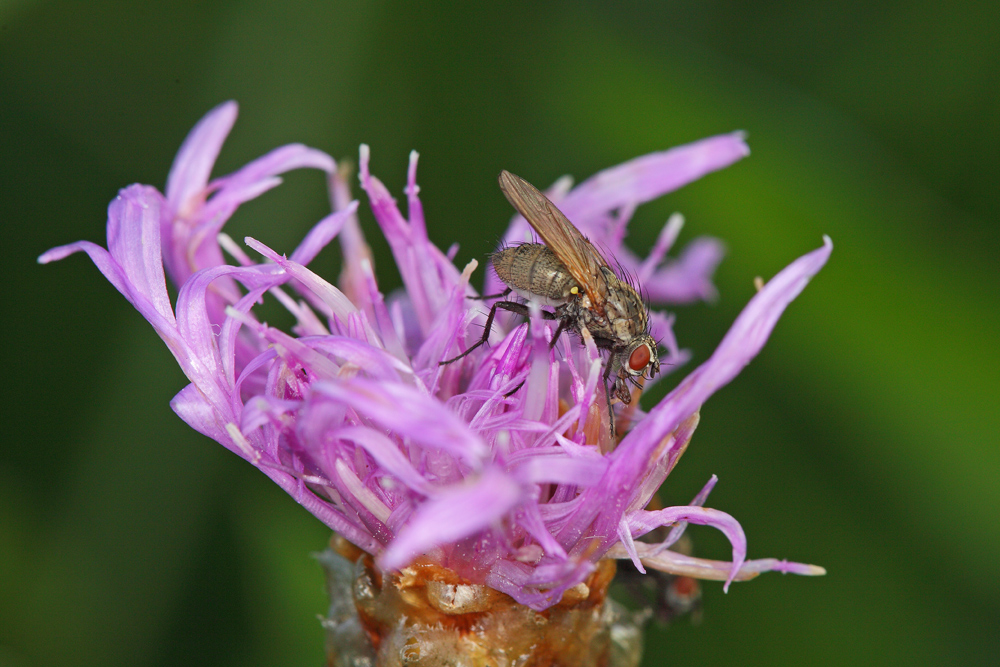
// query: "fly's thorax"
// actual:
[[534, 272], [626, 313]]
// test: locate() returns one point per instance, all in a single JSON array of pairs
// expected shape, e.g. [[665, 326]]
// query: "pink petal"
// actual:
[[193, 164], [741, 344], [641, 522], [650, 176], [453, 515]]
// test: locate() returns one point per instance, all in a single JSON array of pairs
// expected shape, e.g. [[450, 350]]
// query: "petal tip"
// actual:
[[741, 138], [229, 107], [812, 571]]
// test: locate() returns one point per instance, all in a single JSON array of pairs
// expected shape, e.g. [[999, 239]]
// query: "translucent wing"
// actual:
[[558, 233]]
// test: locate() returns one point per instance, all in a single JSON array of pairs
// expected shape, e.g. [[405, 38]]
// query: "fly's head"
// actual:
[[637, 360]]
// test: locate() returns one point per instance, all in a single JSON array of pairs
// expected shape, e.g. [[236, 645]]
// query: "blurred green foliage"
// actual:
[[864, 438]]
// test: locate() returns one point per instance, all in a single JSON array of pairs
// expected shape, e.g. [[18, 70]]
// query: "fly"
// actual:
[[567, 273]]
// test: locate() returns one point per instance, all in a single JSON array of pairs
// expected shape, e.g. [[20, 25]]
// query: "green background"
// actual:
[[864, 437]]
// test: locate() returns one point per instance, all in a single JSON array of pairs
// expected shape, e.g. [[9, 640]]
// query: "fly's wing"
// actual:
[[558, 233]]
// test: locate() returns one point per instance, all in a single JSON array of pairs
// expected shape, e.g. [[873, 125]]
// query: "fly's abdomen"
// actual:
[[533, 271]]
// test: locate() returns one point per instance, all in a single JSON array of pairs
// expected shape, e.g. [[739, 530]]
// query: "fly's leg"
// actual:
[[514, 390], [489, 323], [609, 368], [564, 323], [607, 395], [486, 297], [511, 306]]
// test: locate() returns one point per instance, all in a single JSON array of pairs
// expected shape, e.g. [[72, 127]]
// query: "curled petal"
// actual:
[[132, 262], [200, 356], [263, 410], [260, 176], [641, 522], [192, 407], [134, 242], [698, 501]]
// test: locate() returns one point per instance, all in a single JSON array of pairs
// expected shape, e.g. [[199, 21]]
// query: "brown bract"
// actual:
[[427, 615]]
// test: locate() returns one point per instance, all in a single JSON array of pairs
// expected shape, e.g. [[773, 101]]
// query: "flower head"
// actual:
[[499, 466]]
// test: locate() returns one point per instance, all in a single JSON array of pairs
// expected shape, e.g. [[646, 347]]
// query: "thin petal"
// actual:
[[410, 413], [699, 501], [551, 466], [651, 176], [354, 248], [335, 300], [453, 515], [261, 175], [193, 164], [388, 455], [427, 273], [688, 278], [321, 234], [714, 570], [741, 344]]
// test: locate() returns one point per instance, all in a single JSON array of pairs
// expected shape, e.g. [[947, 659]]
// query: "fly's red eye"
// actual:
[[639, 358]]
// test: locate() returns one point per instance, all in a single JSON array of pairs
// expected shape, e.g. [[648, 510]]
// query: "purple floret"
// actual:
[[499, 466]]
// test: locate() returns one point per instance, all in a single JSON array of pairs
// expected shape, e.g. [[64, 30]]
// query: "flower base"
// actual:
[[427, 615]]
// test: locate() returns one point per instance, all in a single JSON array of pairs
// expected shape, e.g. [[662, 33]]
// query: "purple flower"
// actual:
[[352, 414]]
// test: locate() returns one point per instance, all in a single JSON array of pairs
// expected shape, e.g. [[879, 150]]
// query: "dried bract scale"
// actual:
[[521, 492], [447, 616]]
